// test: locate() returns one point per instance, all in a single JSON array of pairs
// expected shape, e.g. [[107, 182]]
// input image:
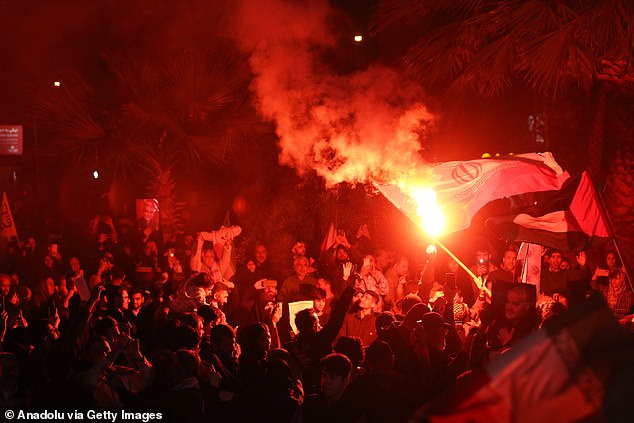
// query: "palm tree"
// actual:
[[555, 48], [488, 46], [189, 111]]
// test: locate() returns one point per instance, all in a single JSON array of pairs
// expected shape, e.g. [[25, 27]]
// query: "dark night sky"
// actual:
[[47, 41]]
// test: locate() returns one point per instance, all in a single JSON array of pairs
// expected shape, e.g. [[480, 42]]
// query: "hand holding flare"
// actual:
[[432, 221]]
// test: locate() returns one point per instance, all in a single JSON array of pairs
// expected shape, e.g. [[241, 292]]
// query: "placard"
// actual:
[[11, 140]]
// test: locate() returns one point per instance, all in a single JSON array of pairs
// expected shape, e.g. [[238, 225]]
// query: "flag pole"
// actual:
[[476, 279], [606, 216]]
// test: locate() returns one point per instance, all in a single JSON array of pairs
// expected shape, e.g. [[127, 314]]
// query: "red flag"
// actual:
[[569, 219], [7, 224], [463, 188], [329, 239]]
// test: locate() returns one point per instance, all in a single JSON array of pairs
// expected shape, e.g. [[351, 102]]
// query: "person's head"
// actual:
[[102, 237], [383, 322], [250, 265], [458, 296], [369, 263], [108, 328], [194, 321], [223, 340], [150, 249], [351, 347], [384, 259], [24, 293], [30, 244], [554, 260], [49, 261], [341, 254], [48, 286], [565, 264], [409, 301], [105, 261], [254, 340], [401, 266], [436, 329], [75, 266], [184, 364], [299, 249], [369, 300], [307, 321], [561, 296], [414, 315], [188, 336], [117, 275], [150, 208], [551, 311], [319, 300], [205, 281], [379, 357], [61, 287], [335, 376], [517, 304], [611, 260], [269, 293], [300, 265], [483, 258], [118, 296], [5, 284], [98, 349], [260, 253], [137, 299], [617, 277], [208, 257], [325, 285], [220, 293], [509, 260]]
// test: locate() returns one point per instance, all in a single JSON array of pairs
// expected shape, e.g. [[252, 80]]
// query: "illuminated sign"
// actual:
[[11, 140]]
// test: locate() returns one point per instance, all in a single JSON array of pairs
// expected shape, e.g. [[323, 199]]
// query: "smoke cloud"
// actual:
[[351, 128]]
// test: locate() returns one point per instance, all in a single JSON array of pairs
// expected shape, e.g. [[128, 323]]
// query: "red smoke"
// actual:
[[351, 128]]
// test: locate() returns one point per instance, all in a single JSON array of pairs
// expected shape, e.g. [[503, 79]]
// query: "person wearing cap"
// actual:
[[363, 322], [383, 323], [436, 329]]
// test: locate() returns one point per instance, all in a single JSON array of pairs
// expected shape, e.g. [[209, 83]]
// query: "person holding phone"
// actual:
[[610, 264]]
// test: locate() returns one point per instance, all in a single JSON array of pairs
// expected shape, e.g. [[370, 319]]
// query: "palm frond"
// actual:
[[555, 61]]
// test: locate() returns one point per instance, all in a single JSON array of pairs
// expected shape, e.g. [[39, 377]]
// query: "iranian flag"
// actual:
[[463, 188]]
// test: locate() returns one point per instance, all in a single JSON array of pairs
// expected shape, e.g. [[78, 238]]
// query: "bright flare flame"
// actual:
[[430, 212]]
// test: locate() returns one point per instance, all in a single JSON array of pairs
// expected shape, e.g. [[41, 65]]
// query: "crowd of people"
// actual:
[[357, 333]]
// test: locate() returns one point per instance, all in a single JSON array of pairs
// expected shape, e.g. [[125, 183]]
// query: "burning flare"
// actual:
[[432, 219]]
